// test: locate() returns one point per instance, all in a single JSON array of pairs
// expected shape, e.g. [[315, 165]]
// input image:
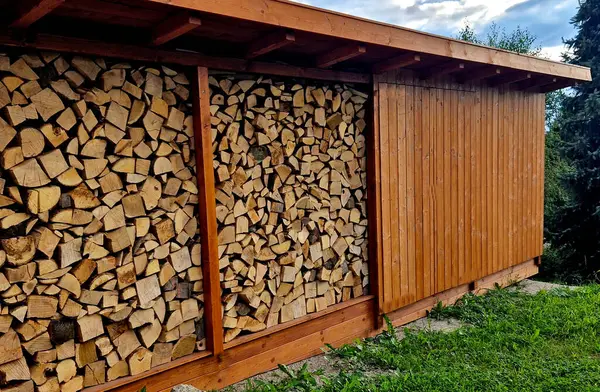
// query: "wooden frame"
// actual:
[[269, 43], [339, 55], [301, 17]]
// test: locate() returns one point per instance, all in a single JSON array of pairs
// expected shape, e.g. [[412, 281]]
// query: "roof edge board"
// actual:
[[301, 17]]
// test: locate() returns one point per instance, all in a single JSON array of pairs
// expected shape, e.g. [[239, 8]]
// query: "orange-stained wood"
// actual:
[[269, 43], [30, 11], [461, 197], [301, 17], [140, 53], [173, 27], [208, 212], [396, 62], [339, 55]]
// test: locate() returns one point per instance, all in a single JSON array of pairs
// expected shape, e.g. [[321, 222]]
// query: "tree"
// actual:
[[520, 40], [576, 232]]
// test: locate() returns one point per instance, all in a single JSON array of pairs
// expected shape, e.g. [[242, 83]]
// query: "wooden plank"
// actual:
[[402, 174], [374, 208], [140, 53], [425, 192], [468, 195], [404, 60], [269, 43], [542, 163], [410, 194], [30, 11], [512, 178], [454, 191], [484, 180], [208, 213], [418, 193], [339, 55], [447, 190], [174, 27], [460, 189], [504, 177], [529, 156], [432, 190], [475, 181], [394, 193], [494, 190], [301, 17], [386, 194], [440, 227]]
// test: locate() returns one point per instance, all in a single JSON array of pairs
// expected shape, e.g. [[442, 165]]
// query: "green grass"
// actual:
[[512, 342]]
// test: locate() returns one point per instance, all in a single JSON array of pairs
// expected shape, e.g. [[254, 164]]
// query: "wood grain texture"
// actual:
[[463, 194], [208, 213]]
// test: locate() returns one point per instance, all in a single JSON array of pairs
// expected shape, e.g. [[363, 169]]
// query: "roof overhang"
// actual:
[[267, 36]]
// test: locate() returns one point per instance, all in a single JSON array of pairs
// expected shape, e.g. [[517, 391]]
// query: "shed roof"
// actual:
[[276, 36]]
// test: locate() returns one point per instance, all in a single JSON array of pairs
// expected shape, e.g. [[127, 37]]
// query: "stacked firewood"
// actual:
[[100, 272], [290, 169]]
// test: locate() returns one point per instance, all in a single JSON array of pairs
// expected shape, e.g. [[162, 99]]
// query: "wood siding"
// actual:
[[460, 185]]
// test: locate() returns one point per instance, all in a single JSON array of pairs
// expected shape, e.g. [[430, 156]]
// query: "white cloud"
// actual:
[[554, 52]]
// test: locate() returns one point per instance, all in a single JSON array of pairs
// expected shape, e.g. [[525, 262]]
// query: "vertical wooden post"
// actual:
[[374, 207], [208, 212]]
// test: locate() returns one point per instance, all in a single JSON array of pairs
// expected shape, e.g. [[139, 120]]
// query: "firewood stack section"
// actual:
[[100, 273], [290, 172]]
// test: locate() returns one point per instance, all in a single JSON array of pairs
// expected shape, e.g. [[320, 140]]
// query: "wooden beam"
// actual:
[[509, 78], [208, 213], [440, 70], [269, 43], [30, 11], [301, 17], [534, 83], [404, 60], [141, 53], [479, 74], [560, 84], [173, 27], [340, 54]]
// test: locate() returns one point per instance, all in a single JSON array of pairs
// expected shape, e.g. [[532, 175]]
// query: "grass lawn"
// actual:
[[512, 341]]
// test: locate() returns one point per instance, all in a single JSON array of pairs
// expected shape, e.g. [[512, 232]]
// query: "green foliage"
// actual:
[[573, 227], [519, 40], [511, 341]]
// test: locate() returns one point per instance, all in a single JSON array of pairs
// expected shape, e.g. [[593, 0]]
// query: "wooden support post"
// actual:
[[30, 11], [509, 78], [374, 208], [174, 27], [339, 55], [444, 69], [401, 61], [208, 212], [269, 43], [479, 74]]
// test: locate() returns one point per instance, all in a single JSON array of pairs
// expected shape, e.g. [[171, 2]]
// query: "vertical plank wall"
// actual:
[[461, 184]]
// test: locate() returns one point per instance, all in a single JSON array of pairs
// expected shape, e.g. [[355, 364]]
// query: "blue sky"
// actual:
[[547, 19]]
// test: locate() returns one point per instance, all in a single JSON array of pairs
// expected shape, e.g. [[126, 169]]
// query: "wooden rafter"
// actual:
[[269, 43], [560, 84], [393, 63], [340, 54], [479, 74], [513, 77], [534, 83], [173, 27], [541, 84], [29, 12], [443, 69]]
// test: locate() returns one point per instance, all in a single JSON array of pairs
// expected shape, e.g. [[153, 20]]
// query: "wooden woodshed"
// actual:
[[194, 191]]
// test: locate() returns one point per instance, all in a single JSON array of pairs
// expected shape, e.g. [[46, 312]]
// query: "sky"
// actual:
[[546, 19]]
